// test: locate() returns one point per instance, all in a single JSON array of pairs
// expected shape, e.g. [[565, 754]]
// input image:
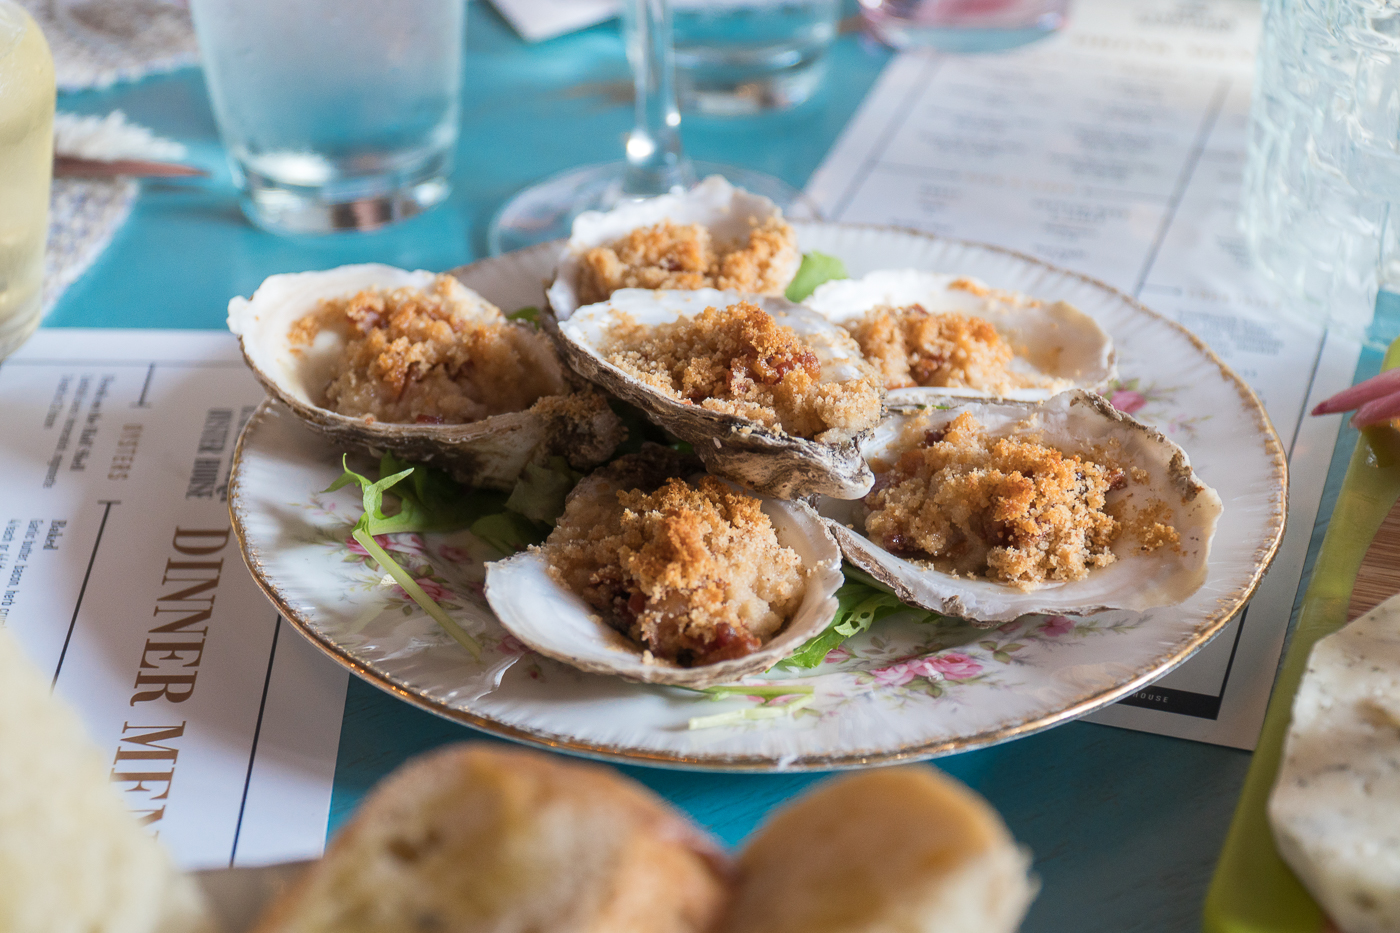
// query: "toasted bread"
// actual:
[[898, 850], [481, 839]]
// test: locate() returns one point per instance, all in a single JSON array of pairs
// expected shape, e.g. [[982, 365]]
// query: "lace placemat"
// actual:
[[96, 43], [84, 215]]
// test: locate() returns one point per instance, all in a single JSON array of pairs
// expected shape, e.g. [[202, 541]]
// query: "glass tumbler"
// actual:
[[336, 114], [26, 169], [1322, 178], [744, 56]]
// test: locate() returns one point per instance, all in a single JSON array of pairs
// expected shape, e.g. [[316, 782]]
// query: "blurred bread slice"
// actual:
[[72, 859], [896, 850], [479, 839]]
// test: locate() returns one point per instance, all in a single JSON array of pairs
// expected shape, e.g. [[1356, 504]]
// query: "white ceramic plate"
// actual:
[[901, 691]]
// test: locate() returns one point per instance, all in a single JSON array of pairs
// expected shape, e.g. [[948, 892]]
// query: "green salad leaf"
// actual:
[[816, 269], [860, 603]]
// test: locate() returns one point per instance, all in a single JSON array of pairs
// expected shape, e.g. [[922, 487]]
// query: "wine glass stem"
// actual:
[[655, 162]]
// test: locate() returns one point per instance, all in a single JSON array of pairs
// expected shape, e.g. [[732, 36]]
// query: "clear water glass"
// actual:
[[963, 25], [744, 56], [1323, 173], [336, 114], [26, 166]]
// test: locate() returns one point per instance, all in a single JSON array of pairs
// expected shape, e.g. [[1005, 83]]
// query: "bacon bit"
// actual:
[[1117, 479], [771, 370], [934, 436], [428, 419], [899, 545], [727, 644]]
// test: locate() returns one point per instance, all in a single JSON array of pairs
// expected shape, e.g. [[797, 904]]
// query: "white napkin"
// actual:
[[537, 20]]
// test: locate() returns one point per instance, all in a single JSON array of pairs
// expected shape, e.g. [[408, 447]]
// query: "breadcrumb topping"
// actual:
[[742, 362], [430, 357], [669, 255], [910, 346], [695, 574], [1010, 509]]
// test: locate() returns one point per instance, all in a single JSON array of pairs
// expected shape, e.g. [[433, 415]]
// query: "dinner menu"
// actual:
[[1116, 149], [122, 579]]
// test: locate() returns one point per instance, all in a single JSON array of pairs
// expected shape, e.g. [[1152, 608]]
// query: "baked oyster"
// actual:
[[965, 338], [992, 510], [770, 394], [712, 236], [661, 576], [418, 364]]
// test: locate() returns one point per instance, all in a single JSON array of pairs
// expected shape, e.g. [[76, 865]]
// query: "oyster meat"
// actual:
[[743, 379], [991, 510], [418, 364], [712, 236], [659, 576], [967, 339]]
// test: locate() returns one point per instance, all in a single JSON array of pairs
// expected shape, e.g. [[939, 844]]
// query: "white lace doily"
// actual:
[[84, 215], [96, 43]]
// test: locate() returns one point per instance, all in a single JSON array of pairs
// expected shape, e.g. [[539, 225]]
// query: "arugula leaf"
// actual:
[[374, 521], [816, 269]]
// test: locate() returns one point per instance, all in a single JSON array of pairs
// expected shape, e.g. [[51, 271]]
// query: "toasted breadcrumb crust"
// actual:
[[695, 574], [742, 362], [429, 357], [669, 255], [1010, 509], [910, 346]]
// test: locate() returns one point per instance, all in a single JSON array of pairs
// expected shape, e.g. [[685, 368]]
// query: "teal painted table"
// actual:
[[1125, 826]]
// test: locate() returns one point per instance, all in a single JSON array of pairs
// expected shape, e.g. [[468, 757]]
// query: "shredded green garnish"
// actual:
[[754, 690], [530, 315], [766, 711], [431, 500], [410, 517]]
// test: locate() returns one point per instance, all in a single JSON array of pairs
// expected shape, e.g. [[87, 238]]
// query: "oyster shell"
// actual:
[[729, 214], [553, 620], [1073, 422], [769, 461], [1055, 342], [490, 452]]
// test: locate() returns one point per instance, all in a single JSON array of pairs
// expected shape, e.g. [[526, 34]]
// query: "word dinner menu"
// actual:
[[123, 580]]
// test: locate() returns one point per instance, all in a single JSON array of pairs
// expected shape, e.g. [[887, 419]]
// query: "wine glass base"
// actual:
[[546, 211]]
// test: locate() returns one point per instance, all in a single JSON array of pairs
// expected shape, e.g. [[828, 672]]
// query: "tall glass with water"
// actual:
[[335, 113], [743, 56], [26, 166], [1322, 182]]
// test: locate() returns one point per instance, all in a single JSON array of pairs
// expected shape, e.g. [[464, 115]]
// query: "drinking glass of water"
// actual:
[[744, 56], [336, 114], [1321, 207]]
